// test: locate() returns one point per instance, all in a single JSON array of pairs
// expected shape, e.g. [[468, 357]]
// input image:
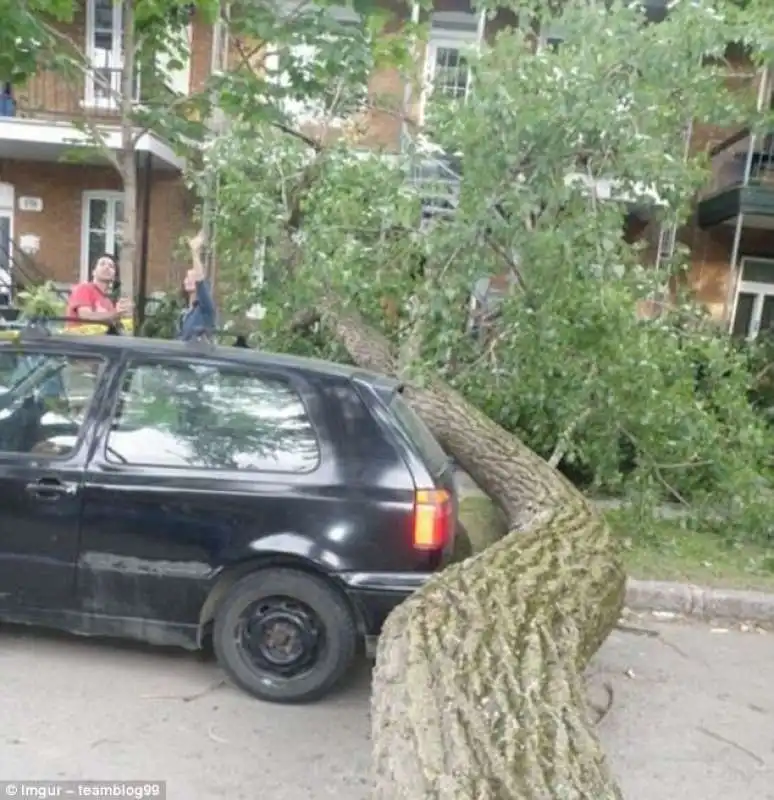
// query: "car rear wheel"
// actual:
[[284, 636]]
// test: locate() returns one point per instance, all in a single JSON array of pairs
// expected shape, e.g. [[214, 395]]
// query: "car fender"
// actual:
[[296, 552]]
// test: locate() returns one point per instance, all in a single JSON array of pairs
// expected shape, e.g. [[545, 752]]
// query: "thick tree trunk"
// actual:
[[478, 691]]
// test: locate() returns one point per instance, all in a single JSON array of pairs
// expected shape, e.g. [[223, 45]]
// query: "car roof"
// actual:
[[138, 345]]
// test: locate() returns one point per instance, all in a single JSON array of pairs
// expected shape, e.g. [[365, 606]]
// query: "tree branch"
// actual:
[[563, 442], [92, 129], [246, 61], [656, 469]]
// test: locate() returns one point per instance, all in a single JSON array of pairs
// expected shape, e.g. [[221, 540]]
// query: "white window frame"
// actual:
[[221, 42], [757, 288], [112, 197], [6, 276], [454, 39], [7, 211], [179, 80], [115, 58]]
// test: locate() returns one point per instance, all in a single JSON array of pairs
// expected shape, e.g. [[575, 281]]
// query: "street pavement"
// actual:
[[692, 719]]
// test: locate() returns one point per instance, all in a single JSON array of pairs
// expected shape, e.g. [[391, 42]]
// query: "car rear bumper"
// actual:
[[376, 594]]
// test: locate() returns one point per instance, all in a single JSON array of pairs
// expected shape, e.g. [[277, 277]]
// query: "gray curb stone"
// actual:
[[676, 598], [697, 601]]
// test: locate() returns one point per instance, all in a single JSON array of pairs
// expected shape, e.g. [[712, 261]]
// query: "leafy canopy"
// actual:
[[656, 407]]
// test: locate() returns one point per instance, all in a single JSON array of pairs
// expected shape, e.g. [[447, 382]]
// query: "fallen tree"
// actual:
[[478, 690]]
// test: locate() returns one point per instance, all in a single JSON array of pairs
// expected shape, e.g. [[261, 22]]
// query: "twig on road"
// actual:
[[215, 738], [603, 708], [651, 634], [186, 698], [754, 756], [638, 631]]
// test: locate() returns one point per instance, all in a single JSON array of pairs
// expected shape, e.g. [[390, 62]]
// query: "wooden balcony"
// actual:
[[42, 119], [95, 93]]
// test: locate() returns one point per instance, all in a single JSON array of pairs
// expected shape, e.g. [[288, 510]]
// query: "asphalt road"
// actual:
[[692, 719]]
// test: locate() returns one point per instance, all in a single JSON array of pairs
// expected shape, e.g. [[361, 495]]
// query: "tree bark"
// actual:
[[127, 157], [478, 690]]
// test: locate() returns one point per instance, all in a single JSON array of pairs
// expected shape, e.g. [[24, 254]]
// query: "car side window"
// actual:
[[180, 415], [43, 402]]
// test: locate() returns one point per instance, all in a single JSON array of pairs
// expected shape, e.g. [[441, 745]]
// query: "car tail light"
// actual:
[[432, 519]]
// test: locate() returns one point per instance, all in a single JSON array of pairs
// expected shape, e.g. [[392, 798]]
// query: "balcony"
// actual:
[[51, 113], [94, 93], [743, 182]]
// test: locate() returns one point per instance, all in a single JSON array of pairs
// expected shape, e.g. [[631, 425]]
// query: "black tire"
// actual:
[[332, 659]]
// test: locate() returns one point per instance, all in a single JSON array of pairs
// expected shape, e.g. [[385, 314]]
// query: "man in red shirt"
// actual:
[[90, 301]]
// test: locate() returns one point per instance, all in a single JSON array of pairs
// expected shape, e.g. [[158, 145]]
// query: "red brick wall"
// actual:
[[201, 54], [61, 187]]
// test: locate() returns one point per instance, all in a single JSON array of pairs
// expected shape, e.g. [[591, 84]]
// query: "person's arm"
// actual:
[[203, 292], [90, 315]]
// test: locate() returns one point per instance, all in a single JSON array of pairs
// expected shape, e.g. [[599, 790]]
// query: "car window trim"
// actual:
[[298, 385], [89, 416]]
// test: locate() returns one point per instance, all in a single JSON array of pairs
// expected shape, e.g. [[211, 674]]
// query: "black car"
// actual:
[[180, 492]]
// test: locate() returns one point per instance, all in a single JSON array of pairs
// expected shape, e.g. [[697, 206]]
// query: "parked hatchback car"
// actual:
[[173, 493]]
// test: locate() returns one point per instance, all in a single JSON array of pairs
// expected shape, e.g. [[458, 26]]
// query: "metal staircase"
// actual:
[[667, 242], [667, 235], [22, 273], [434, 174]]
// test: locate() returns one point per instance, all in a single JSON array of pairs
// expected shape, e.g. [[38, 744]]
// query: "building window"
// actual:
[[220, 43], [174, 65], [754, 308], [448, 72], [201, 417], [104, 53], [6, 265], [103, 214], [551, 37]]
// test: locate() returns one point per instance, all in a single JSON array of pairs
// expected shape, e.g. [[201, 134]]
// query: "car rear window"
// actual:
[[416, 430]]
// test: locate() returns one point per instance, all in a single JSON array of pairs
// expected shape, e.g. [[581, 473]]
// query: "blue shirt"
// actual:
[[199, 318]]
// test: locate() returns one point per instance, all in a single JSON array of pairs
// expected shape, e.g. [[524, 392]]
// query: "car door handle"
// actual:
[[51, 489]]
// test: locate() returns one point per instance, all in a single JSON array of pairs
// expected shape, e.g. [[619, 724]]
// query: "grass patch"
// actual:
[[669, 552], [663, 551], [482, 524]]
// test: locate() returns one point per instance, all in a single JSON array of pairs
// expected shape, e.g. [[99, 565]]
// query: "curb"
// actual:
[[701, 602], [676, 598]]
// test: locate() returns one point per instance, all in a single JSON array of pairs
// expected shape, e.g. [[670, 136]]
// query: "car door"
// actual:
[[46, 422], [179, 485]]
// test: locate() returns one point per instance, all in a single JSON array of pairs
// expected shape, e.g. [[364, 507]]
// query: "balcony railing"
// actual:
[[743, 159], [94, 92]]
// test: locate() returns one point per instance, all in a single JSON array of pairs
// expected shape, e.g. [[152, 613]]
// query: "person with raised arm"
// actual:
[[199, 316]]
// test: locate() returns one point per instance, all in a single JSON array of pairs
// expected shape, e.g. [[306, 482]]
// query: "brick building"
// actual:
[[64, 214], [730, 234], [57, 216]]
